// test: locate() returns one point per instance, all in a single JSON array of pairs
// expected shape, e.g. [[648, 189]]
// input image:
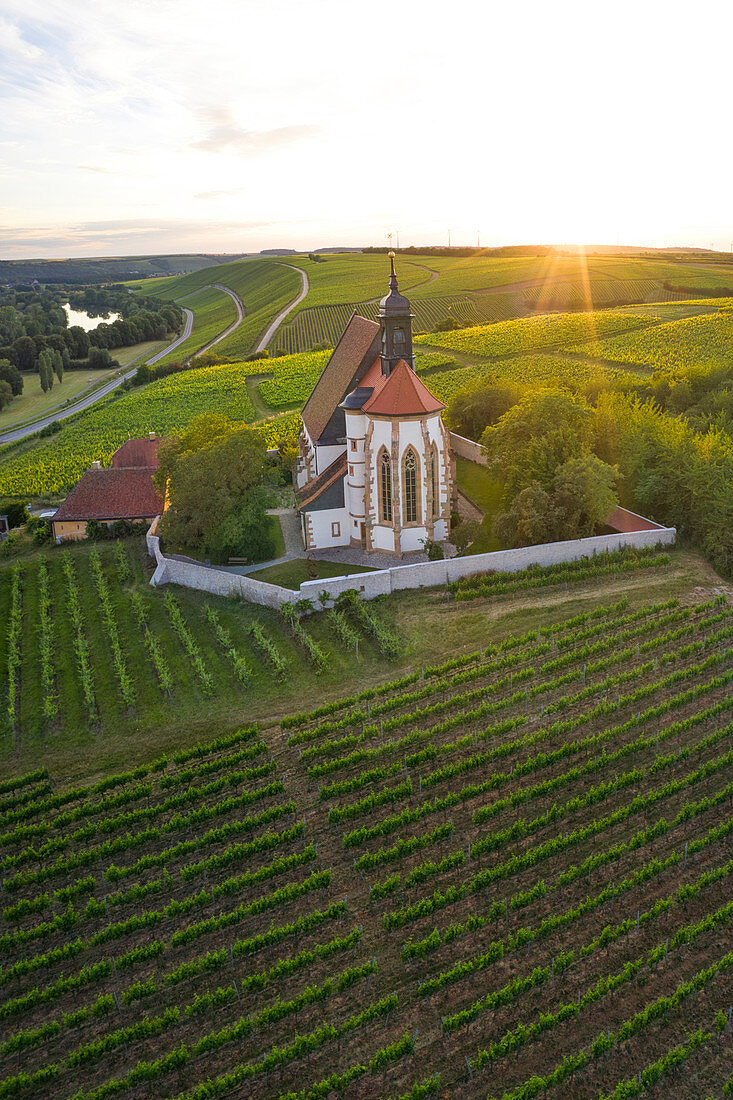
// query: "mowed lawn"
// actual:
[[293, 573], [33, 402], [484, 490]]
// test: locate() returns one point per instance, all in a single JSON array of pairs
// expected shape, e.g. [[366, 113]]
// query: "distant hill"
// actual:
[[104, 269]]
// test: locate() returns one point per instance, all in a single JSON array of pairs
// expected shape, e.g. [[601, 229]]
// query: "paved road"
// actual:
[[14, 434], [187, 330], [305, 286], [227, 332]]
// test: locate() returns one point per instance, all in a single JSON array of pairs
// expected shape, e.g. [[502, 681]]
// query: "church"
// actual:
[[374, 463]]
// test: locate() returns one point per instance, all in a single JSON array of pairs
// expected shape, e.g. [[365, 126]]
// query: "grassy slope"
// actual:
[[431, 627], [291, 574], [213, 311], [54, 464], [483, 490], [34, 402], [264, 286]]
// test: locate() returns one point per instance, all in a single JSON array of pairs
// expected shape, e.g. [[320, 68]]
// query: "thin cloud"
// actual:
[[218, 194], [225, 135], [15, 45], [96, 168]]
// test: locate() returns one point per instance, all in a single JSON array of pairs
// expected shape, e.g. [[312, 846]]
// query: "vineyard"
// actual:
[[88, 648], [503, 874], [166, 405], [318, 324], [324, 324], [676, 346], [584, 352]]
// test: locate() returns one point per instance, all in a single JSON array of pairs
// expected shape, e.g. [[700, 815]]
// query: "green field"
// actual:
[[33, 402], [504, 859], [264, 287], [475, 289], [293, 573], [168, 404], [213, 311], [484, 490]]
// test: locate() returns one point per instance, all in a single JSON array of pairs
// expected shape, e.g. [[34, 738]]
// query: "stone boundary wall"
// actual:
[[420, 575], [467, 448], [208, 578]]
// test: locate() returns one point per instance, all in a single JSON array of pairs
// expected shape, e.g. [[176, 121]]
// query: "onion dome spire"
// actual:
[[395, 322]]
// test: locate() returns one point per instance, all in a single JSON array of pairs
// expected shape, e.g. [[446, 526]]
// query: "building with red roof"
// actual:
[[374, 467], [123, 491]]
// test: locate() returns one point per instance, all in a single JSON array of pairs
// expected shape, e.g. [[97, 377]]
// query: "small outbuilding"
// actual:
[[123, 491]]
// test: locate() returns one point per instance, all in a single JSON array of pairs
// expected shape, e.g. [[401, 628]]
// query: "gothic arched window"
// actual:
[[411, 478], [434, 480], [384, 473]]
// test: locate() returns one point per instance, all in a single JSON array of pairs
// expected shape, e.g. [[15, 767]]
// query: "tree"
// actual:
[[100, 359], [217, 492], [45, 369], [465, 533], [11, 324], [584, 495], [531, 520], [58, 365], [11, 375], [536, 436], [25, 353], [6, 394], [202, 432], [78, 342], [433, 549], [15, 510], [471, 410]]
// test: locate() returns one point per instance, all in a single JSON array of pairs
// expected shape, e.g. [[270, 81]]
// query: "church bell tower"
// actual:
[[395, 323]]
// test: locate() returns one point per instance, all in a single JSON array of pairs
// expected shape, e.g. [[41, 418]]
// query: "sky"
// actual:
[[153, 126]]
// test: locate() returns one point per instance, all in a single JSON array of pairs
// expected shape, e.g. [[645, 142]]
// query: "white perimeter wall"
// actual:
[[384, 581]]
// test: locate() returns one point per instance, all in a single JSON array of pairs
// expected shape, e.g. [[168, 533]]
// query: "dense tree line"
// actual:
[[565, 459], [33, 320], [218, 481]]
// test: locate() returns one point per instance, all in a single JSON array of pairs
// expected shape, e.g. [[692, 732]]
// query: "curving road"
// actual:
[[15, 434], [227, 332], [270, 332], [187, 330]]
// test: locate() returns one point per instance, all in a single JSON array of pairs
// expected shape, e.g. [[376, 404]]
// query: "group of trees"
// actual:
[[554, 484], [11, 383], [218, 481], [33, 320], [703, 395], [50, 363], [565, 463]]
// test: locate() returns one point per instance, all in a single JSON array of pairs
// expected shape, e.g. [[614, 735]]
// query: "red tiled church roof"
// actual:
[[402, 394], [138, 452], [112, 493]]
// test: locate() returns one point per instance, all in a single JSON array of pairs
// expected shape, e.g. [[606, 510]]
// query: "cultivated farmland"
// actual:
[[503, 874]]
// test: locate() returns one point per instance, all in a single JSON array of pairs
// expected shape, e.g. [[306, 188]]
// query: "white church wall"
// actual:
[[322, 525], [356, 472], [306, 465], [325, 455]]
